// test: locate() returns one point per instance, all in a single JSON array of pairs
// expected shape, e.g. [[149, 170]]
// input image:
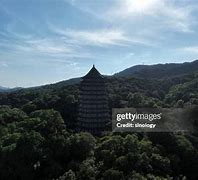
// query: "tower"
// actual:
[[93, 111]]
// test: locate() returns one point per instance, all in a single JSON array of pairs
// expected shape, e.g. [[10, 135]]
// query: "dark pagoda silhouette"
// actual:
[[93, 112]]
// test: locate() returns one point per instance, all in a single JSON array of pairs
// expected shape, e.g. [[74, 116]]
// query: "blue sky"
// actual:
[[45, 41]]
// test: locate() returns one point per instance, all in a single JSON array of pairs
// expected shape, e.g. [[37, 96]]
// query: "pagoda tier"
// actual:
[[93, 112]]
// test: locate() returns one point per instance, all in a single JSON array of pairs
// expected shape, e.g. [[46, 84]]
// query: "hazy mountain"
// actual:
[[160, 70], [54, 85], [69, 82], [3, 89], [140, 71]]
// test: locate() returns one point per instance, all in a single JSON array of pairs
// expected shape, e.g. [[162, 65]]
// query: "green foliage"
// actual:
[[69, 175], [82, 145], [37, 142], [51, 121], [8, 115], [88, 170], [113, 174], [188, 92], [37, 146]]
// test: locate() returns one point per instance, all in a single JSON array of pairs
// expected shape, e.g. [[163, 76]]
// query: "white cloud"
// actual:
[[95, 37], [190, 49], [29, 43], [4, 64], [127, 8], [164, 12], [172, 14], [50, 46], [46, 47], [101, 37]]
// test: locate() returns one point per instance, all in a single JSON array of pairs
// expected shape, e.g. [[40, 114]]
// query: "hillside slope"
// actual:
[[160, 70]]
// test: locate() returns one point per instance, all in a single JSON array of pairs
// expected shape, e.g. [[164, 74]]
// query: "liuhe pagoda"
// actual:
[[93, 111]]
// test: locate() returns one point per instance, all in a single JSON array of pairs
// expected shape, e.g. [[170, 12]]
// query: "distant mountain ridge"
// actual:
[[6, 89], [160, 70], [157, 71], [3, 89]]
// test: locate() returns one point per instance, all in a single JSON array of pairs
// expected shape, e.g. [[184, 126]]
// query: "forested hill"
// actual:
[[122, 92], [157, 71], [37, 139], [160, 70], [173, 82]]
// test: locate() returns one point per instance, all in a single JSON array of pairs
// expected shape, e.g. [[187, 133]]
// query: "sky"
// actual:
[[46, 41]]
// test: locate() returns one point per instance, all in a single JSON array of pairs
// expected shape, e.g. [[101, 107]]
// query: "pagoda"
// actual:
[[93, 111]]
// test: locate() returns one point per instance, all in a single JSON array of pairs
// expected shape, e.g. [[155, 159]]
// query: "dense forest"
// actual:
[[38, 141]]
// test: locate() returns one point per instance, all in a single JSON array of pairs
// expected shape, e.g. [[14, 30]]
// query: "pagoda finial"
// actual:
[[93, 66]]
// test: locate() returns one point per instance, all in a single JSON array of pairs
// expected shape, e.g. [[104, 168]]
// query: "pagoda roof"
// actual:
[[93, 73]]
